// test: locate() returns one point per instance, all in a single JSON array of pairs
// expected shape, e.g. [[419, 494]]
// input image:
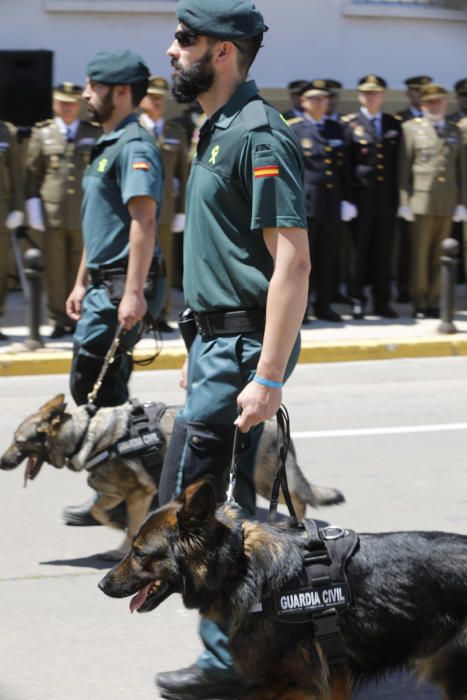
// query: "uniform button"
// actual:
[[328, 161], [70, 191], [379, 155], [71, 165], [71, 177], [380, 178], [380, 167], [328, 149], [379, 146], [329, 186], [441, 179], [328, 172]]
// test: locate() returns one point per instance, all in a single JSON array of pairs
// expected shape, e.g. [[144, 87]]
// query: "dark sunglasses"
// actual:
[[185, 38]]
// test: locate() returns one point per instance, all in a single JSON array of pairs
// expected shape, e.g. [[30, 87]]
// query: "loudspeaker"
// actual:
[[25, 86]]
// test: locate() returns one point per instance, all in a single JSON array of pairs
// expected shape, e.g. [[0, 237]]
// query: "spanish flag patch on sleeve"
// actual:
[[266, 171], [141, 165]]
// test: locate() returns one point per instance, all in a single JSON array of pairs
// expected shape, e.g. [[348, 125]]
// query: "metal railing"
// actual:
[[431, 4]]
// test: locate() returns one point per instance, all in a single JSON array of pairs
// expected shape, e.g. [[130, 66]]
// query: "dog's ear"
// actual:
[[198, 501], [54, 406]]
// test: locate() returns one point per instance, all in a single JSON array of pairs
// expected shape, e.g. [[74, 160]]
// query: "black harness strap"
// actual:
[[280, 480]]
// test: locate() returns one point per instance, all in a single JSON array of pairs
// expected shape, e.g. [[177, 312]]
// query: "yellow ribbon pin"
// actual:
[[101, 165], [214, 154]]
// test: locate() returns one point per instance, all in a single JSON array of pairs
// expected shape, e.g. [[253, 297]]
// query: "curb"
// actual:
[[59, 361]]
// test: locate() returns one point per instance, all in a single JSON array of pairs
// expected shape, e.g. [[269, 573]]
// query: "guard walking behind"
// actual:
[[58, 153]]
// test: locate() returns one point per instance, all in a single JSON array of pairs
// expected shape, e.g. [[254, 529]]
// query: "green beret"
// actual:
[[223, 19], [117, 68]]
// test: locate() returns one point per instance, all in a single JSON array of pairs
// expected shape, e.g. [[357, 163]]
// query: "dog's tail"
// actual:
[[312, 494]]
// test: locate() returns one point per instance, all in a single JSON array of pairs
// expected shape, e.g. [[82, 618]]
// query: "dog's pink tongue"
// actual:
[[137, 600]]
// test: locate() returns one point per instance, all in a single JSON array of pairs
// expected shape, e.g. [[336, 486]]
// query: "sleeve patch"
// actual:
[[141, 165], [266, 171]]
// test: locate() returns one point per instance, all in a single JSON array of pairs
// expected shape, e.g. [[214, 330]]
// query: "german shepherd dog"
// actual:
[[409, 592], [53, 433]]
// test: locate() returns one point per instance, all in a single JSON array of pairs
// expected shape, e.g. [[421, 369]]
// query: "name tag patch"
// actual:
[[312, 599]]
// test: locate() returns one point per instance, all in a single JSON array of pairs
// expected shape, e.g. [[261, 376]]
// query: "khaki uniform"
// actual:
[[54, 173], [173, 148], [11, 195], [431, 184], [461, 122]]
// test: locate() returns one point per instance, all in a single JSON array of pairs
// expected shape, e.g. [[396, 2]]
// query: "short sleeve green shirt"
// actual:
[[247, 175], [124, 163]]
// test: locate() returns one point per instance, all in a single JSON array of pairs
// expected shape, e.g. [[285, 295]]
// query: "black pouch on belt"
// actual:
[[187, 327], [114, 281]]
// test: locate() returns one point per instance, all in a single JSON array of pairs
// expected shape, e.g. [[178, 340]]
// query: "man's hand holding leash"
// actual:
[[257, 403]]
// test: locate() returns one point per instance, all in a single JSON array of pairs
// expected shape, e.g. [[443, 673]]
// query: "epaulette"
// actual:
[[348, 117], [45, 122], [255, 115], [462, 122], [398, 116], [294, 120]]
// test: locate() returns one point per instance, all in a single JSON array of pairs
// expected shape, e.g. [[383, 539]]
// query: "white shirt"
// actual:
[[68, 130], [155, 127], [374, 119]]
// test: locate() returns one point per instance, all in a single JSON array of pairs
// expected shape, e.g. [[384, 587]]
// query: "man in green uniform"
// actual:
[[432, 193], [118, 280], [171, 140], [460, 89], [58, 153], [11, 201], [246, 267]]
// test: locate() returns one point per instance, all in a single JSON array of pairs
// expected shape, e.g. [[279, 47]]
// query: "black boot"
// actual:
[[193, 683], [82, 516]]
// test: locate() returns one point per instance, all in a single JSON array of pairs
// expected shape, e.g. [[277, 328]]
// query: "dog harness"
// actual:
[[321, 589], [144, 439]]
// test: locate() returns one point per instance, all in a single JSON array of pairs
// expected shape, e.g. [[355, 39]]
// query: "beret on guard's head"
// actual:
[[117, 68], [223, 19]]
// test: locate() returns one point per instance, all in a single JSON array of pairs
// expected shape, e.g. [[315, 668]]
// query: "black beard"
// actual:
[[104, 111], [191, 82]]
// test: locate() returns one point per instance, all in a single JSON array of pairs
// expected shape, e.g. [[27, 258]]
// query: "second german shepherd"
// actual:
[[409, 594], [54, 433]]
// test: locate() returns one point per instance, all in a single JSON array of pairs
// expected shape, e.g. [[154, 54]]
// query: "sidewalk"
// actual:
[[370, 339]]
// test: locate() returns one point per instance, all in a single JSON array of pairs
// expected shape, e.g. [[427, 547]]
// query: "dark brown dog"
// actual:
[[409, 598]]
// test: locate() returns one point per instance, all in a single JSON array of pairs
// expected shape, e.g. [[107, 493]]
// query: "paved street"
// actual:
[[375, 430]]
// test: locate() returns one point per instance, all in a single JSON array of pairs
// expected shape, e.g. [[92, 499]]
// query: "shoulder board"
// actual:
[[398, 116], [255, 114], [463, 122], [46, 122], [348, 117], [295, 120]]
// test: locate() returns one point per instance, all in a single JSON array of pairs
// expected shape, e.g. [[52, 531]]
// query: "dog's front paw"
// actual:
[[113, 555]]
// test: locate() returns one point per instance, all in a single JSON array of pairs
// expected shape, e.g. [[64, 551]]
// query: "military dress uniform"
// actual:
[[460, 118], [11, 198], [124, 163], [431, 185], [322, 146], [373, 150], [55, 166]]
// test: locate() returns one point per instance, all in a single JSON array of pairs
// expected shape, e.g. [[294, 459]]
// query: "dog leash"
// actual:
[[108, 360], [280, 480]]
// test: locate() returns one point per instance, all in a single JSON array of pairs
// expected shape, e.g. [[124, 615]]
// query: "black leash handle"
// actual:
[[280, 480]]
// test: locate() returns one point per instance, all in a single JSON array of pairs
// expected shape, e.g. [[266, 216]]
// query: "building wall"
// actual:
[[307, 38]]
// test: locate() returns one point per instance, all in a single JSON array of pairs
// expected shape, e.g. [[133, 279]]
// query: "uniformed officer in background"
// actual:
[[403, 243], [118, 280], [373, 142], [171, 141], [295, 89], [432, 192], [322, 144], [460, 88], [58, 153], [245, 276], [333, 87], [11, 202]]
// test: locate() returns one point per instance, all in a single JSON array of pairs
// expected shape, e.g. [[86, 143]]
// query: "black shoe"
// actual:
[[163, 327], [193, 683], [327, 314], [3, 336], [58, 332], [432, 312], [385, 312], [403, 298], [419, 314], [357, 311], [81, 515]]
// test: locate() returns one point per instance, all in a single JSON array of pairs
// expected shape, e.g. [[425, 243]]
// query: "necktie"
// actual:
[[439, 130], [69, 134], [375, 122]]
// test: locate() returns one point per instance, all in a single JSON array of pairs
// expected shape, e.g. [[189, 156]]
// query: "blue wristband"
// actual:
[[267, 382]]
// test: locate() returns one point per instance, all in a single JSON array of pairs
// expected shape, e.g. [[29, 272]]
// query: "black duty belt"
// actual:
[[211, 324], [108, 273]]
